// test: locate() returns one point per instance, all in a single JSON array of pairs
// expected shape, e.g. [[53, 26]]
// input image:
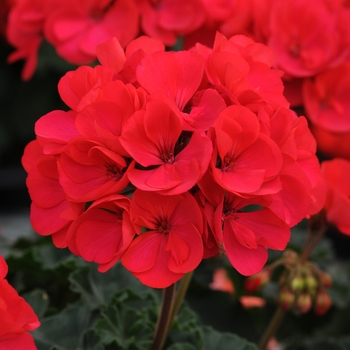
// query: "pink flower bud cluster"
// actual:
[[303, 287]]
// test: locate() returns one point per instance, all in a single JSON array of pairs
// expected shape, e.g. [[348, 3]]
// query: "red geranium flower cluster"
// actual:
[[166, 157], [74, 28], [311, 42], [16, 316]]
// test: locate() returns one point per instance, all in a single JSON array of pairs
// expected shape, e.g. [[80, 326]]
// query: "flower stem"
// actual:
[[272, 328], [164, 318], [317, 229], [185, 282]]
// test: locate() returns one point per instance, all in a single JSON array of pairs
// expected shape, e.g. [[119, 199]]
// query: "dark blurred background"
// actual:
[[22, 104]]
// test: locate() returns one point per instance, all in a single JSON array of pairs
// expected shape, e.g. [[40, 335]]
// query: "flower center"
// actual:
[[113, 171], [228, 163], [229, 212], [163, 227], [167, 156]]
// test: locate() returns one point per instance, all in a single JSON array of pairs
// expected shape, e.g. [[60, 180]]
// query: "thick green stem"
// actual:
[[164, 318], [180, 295], [272, 328]]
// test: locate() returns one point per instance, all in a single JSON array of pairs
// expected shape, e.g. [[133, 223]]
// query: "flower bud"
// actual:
[[303, 303], [297, 284], [326, 279], [322, 303], [311, 283], [258, 281], [286, 299]]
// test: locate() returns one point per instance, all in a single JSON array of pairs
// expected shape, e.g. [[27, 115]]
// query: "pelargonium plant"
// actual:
[[168, 158]]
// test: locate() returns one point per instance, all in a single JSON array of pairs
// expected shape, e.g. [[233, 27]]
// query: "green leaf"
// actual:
[[181, 346], [186, 329], [98, 288], [51, 257], [38, 300], [214, 340], [92, 341], [129, 328], [65, 330]]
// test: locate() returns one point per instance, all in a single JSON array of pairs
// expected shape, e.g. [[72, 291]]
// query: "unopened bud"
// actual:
[[303, 303], [326, 279], [256, 282], [286, 299], [297, 284], [322, 303], [311, 283]]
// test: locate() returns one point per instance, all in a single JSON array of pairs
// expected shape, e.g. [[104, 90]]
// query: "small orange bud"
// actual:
[[256, 282], [322, 303], [286, 299], [303, 303]]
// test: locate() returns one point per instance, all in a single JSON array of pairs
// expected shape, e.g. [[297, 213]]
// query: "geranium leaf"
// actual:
[[38, 300], [127, 327], [65, 330], [97, 288], [214, 340]]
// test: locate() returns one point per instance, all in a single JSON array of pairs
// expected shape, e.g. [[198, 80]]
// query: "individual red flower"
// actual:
[[54, 130], [16, 316], [24, 32], [206, 106], [51, 212], [332, 144], [246, 234], [176, 74], [244, 159], [303, 191], [302, 50], [103, 232], [179, 76], [169, 163], [172, 246], [327, 99], [75, 28], [89, 171], [337, 206], [78, 88], [241, 69], [124, 64]]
